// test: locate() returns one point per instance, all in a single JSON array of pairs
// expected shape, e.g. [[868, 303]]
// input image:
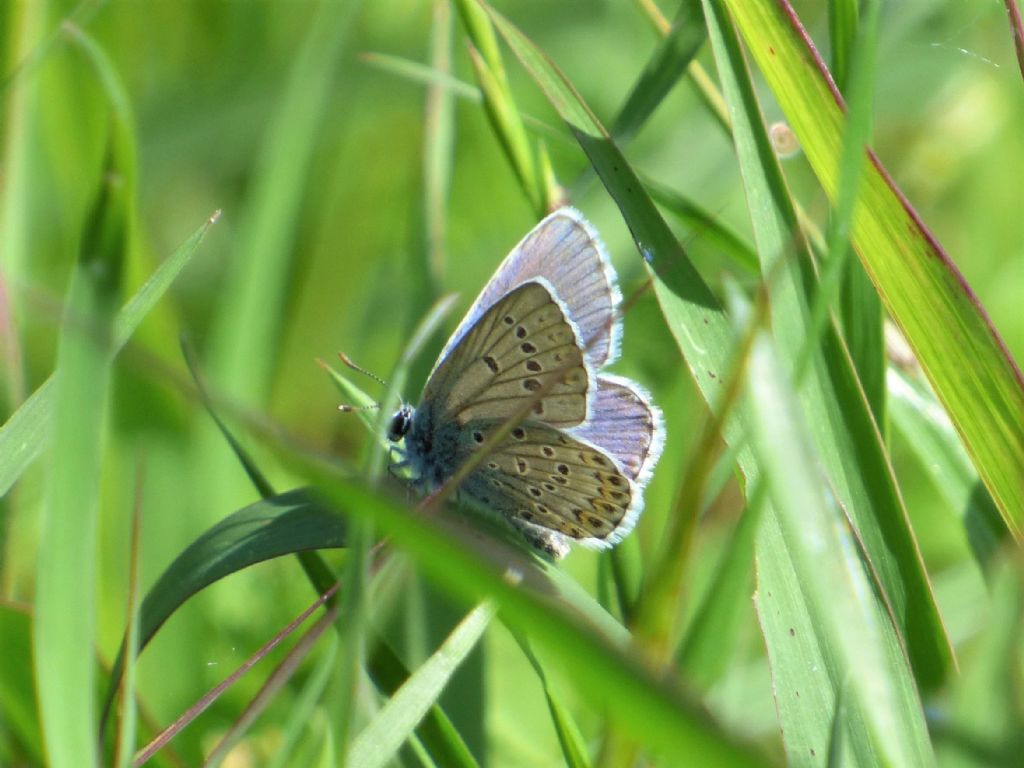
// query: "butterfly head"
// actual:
[[400, 423]]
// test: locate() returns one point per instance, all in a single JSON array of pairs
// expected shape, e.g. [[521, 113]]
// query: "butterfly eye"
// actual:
[[400, 423]]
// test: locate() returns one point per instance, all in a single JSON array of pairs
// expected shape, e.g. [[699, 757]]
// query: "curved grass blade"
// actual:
[[918, 282], [377, 744], [24, 435], [289, 523]]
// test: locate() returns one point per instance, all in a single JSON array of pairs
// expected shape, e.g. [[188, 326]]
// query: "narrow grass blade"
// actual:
[[918, 282], [126, 731], [704, 225], [65, 620], [508, 128], [438, 140], [886, 720], [574, 749], [928, 433], [860, 307], [838, 415], [282, 673], [240, 361], [842, 32], [299, 650], [299, 718], [982, 725], [377, 744], [711, 639], [842, 285], [538, 602], [416, 72], [18, 705], [501, 107], [25, 433], [435, 733], [669, 62]]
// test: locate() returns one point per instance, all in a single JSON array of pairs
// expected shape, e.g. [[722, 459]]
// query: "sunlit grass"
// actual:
[[817, 546]]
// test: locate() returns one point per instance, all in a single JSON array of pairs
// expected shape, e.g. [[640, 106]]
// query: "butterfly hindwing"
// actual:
[[547, 479], [522, 348], [624, 423]]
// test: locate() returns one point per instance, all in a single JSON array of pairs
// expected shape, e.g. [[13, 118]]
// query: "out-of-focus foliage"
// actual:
[[356, 190]]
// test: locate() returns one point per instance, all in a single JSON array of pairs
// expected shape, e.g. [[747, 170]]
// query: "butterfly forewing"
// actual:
[[567, 253], [545, 478], [521, 349]]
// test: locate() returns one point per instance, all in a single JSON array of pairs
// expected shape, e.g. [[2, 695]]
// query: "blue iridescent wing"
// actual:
[[564, 250], [624, 423]]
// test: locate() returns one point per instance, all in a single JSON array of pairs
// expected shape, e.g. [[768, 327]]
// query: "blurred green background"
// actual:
[[322, 246]]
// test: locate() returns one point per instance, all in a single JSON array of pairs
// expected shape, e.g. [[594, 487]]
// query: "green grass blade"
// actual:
[[18, 704], [919, 284], [24, 435], [555, 613], [704, 225], [508, 127], [885, 717], [928, 433], [435, 732], [860, 310], [668, 63], [500, 106], [711, 638], [65, 620], [377, 744], [842, 31], [574, 749], [837, 413], [250, 306], [438, 141], [982, 726], [299, 718], [289, 523], [859, 306]]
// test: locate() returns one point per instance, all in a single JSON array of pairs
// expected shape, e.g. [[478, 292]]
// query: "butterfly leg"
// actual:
[[547, 541], [395, 466]]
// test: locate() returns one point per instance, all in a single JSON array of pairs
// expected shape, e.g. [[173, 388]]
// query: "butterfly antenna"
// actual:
[[359, 369], [356, 408]]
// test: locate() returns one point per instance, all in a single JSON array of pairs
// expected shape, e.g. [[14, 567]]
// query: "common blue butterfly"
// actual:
[[536, 338]]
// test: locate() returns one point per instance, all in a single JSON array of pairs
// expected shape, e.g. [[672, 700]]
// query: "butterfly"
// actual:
[[582, 444]]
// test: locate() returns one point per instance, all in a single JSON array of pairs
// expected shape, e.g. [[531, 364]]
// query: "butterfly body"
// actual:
[[577, 447]]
